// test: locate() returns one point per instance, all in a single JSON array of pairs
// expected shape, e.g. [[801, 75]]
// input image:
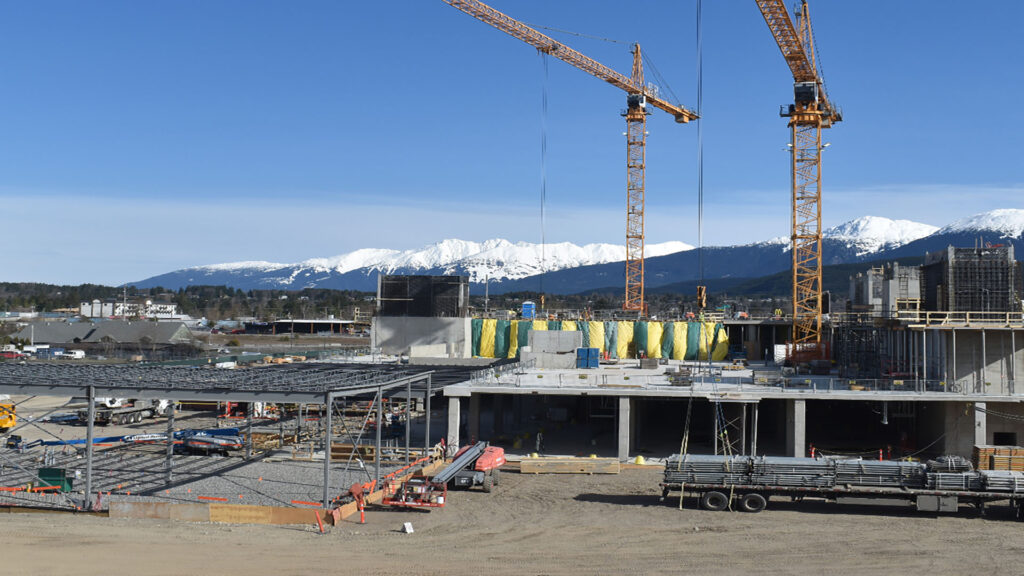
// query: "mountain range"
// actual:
[[565, 268]]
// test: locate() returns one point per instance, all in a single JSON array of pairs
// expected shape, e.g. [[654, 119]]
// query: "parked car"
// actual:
[[13, 355]]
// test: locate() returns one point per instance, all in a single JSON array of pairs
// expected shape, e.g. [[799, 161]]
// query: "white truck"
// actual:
[[124, 410]]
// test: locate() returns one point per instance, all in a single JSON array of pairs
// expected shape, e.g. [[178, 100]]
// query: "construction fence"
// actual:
[[494, 338]]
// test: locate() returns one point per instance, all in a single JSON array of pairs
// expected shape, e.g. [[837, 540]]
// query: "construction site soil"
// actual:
[[544, 524]]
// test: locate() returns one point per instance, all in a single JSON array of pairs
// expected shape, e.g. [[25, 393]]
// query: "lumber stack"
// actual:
[[345, 451], [569, 466], [988, 457]]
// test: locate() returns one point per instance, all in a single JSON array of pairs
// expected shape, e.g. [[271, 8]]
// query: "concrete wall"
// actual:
[[397, 334], [959, 428], [990, 367], [997, 423]]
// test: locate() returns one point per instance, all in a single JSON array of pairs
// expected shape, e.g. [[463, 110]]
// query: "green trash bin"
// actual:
[[55, 477]]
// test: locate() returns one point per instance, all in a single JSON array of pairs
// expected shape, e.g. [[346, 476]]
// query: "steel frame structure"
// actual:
[[299, 384]]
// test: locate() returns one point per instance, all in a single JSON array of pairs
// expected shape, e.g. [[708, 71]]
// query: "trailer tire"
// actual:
[[488, 482], [753, 502], [714, 501]]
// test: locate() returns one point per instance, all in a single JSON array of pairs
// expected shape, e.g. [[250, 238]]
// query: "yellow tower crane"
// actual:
[[810, 112], [638, 97]]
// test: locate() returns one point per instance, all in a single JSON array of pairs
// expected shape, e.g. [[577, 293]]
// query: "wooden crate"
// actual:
[[569, 466]]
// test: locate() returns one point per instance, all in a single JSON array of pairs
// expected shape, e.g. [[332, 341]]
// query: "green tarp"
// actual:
[[501, 334], [666, 340], [692, 340], [477, 326], [639, 345]]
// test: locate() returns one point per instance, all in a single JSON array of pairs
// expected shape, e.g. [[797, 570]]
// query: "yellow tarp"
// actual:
[[721, 347], [654, 332], [679, 335], [597, 335], [625, 338], [568, 325], [707, 329], [487, 337], [540, 324], [513, 339]]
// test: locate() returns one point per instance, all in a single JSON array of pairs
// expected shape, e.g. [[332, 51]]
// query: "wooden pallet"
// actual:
[[569, 466]]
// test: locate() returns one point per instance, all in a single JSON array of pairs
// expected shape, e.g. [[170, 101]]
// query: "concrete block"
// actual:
[[555, 342], [190, 512], [160, 510], [428, 351]]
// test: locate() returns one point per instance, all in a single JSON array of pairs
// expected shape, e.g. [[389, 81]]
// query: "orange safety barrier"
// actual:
[[11, 488], [305, 503], [45, 488], [214, 498]]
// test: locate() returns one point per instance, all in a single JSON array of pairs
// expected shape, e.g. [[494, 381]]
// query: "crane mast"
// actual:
[[810, 112], [637, 99]]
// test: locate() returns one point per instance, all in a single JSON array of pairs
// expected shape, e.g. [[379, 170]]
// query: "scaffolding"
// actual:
[[972, 279]]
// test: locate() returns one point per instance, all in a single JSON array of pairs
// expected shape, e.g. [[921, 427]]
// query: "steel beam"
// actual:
[[89, 425]]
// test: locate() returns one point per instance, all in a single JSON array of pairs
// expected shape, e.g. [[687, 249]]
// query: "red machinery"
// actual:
[[472, 466]]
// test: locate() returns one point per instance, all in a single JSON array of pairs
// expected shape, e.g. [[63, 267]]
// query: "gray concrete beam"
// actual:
[[624, 427], [796, 427], [980, 424], [454, 419], [474, 418]]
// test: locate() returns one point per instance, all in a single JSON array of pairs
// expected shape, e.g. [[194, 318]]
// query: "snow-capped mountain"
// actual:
[[870, 234], [1009, 222], [569, 268], [493, 260]]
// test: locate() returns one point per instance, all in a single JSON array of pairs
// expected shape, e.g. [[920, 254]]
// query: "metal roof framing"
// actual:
[[303, 383]]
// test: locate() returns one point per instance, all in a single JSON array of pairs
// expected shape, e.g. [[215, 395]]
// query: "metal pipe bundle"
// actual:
[[882, 473], [794, 472], [1003, 480], [954, 481], [707, 469]]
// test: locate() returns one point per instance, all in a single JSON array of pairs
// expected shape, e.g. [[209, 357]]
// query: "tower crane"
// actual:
[[638, 97], [810, 112]]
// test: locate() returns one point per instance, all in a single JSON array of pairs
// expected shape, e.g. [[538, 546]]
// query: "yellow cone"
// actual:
[[640, 460]]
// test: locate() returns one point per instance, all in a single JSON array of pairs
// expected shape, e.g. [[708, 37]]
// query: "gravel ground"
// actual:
[[544, 524]]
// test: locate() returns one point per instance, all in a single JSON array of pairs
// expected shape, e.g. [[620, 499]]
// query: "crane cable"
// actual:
[[543, 169], [684, 444]]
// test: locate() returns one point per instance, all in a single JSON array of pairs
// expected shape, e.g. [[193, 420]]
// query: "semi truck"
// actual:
[[749, 483], [124, 410]]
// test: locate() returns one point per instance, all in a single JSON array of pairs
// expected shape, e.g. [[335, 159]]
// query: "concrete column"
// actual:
[[980, 421], [796, 424], [474, 417], [624, 405], [454, 417]]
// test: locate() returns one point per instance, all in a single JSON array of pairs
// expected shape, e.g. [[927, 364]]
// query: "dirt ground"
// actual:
[[533, 525]]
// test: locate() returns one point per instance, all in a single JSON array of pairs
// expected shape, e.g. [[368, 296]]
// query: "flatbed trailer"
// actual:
[[755, 497]]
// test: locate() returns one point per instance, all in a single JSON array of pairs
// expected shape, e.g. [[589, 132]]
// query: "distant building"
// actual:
[[114, 308], [153, 340]]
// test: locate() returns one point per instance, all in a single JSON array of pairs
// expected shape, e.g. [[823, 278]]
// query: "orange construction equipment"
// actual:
[[810, 112], [638, 96]]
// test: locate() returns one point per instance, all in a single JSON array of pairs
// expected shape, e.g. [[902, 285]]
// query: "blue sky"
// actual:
[[141, 137]]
